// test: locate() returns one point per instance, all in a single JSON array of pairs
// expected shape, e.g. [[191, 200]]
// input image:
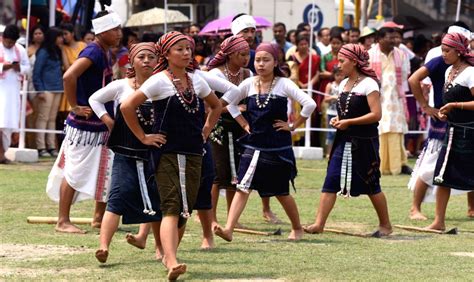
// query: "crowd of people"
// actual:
[[155, 128]]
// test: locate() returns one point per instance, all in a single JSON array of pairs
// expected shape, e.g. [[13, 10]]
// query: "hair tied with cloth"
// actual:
[[273, 50], [236, 43], [135, 49], [461, 44], [358, 54], [163, 46]]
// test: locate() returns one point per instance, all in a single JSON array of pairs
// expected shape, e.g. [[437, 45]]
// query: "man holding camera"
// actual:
[[13, 65]]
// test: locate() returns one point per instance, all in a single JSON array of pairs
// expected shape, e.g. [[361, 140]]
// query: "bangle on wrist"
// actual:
[[291, 126], [462, 105]]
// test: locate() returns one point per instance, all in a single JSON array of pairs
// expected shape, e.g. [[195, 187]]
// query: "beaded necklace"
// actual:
[[345, 111], [449, 82], [140, 115], [185, 96], [259, 86], [236, 78]]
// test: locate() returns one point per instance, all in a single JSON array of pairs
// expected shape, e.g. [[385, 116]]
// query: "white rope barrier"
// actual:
[[23, 128]]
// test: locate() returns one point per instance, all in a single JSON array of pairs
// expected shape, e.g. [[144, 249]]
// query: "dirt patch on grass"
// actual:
[[33, 273], [463, 254], [15, 252]]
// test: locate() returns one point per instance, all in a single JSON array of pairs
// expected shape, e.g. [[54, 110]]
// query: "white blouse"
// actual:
[[115, 91], [284, 87]]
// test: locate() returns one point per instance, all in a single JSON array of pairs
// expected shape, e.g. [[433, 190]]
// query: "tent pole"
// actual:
[[52, 12], [24, 95], [166, 17], [458, 10]]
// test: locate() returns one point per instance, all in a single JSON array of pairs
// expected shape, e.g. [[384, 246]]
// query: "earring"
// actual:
[[459, 55]]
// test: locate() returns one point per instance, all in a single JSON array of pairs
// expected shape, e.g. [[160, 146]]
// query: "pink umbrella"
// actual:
[[222, 26]]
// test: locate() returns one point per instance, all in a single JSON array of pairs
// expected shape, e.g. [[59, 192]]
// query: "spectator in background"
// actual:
[[436, 39], [200, 50], [194, 30], [301, 58], [290, 37], [354, 34], [47, 78], [332, 89], [70, 52], [71, 47], [304, 33], [88, 37], [324, 39], [341, 31], [367, 37], [329, 61], [279, 36], [36, 38], [391, 67], [151, 36], [128, 37], [13, 64]]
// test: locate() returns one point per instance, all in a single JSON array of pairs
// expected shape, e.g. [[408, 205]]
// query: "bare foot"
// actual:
[[296, 234], [175, 271], [158, 255], [385, 230], [207, 244], [470, 213], [96, 224], [219, 231], [69, 228], [270, 217], [313, 229], [436, 226], [134, 241], [101, 255], [417, 215]]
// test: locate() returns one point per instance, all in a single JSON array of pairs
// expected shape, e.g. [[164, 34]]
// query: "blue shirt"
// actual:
[[437, 68], [47, 73], [251, 65], [287, 45], [98, 75]]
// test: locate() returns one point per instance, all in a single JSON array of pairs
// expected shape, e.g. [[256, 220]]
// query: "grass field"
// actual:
[[36, 251]]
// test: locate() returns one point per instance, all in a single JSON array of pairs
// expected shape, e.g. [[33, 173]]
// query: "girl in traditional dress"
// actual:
[[454, 168], [267, 163], [133, 193], [354, 162], [178, 115], [80, 171], [228, 64], [203, 203]]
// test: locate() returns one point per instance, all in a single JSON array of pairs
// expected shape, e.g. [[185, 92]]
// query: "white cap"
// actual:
[[461, 30], [241, 23], [106, 23]]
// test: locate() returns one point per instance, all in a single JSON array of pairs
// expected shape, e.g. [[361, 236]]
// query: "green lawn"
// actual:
[[36, 251]]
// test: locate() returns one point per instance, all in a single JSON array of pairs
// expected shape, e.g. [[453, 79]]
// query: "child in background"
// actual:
[[332, 90]]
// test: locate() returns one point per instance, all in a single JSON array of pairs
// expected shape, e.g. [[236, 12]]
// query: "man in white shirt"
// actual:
[[324, 40], [14, 64]]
